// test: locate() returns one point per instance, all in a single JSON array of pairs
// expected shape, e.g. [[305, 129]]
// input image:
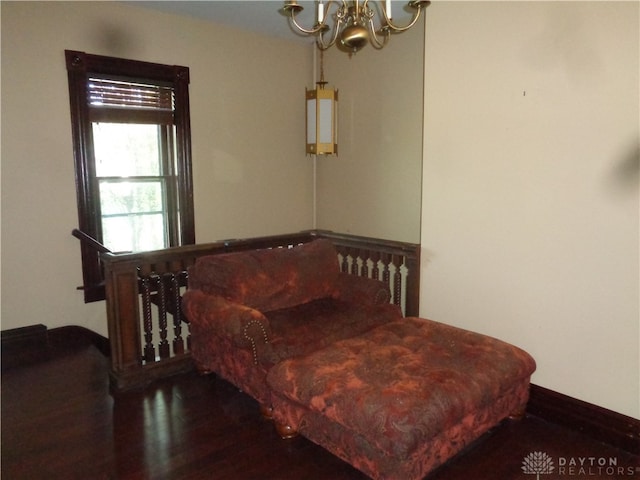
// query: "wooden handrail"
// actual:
[[95, 244], [143, 292]]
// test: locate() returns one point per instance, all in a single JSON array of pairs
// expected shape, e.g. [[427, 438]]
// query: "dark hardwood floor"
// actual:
[[59, 421]]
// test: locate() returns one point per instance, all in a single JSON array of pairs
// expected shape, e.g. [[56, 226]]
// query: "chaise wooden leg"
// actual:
[[266, 411], [285, 431], [519, 413], [201, 368]]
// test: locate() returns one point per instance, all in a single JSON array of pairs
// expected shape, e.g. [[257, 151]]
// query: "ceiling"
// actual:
[[264, 17]]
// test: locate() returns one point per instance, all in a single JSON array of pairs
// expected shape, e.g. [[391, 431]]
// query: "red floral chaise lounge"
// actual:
[[328, 357], [250, 310]]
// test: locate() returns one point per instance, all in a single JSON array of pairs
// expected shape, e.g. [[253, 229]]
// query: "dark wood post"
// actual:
[[121, 290]]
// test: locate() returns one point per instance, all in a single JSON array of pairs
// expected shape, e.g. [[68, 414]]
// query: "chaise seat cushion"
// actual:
[[325, 321], [400, 399]]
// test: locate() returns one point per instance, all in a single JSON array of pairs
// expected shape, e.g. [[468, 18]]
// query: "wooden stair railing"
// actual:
[[148, 334], [92, 242]]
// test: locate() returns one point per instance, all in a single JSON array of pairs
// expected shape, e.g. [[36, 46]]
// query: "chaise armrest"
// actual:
[[246, 327], [361, 290]]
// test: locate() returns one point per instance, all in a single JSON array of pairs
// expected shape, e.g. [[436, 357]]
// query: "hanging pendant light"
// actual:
[[322, 117]]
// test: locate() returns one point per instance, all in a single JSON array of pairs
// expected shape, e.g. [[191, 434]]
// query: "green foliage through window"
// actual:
[[132, 151]]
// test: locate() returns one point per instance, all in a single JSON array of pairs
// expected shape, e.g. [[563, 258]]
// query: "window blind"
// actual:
[[108, 98], [116, 93]]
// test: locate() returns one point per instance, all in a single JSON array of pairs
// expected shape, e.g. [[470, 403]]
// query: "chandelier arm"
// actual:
[[390, 26], [322, 45], [342, 13], [331, 2], [320, 42], [375, 41], [307, 31]]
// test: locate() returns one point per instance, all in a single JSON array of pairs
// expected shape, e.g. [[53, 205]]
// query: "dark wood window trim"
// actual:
[[80, 66]]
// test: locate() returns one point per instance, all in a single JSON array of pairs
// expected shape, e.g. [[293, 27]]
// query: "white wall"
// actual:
[[373, 186], [250, 174], [530, 188]]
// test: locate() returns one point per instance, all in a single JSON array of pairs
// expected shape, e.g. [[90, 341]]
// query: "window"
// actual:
[[132, 149]]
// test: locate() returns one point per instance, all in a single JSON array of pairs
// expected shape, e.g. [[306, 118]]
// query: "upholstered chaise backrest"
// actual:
[[270, 279]]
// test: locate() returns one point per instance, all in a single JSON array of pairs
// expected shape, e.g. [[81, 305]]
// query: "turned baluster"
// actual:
[[354, 264], [345, 260], [178, 343], [185, 276], [397, 279], [163, 347], [365, 263], [386, 274], [188, 336], [149, 350], [375, 271]]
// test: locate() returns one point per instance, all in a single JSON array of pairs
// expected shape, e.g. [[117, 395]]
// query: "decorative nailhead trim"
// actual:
[[246, 335], [382, 296]]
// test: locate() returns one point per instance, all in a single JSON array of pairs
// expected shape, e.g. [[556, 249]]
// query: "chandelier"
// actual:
[[351, 23]]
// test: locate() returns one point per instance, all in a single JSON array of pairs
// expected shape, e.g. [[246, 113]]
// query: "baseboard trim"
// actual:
[[599, 423], [24, 346], [35, 343], [74, 335]]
